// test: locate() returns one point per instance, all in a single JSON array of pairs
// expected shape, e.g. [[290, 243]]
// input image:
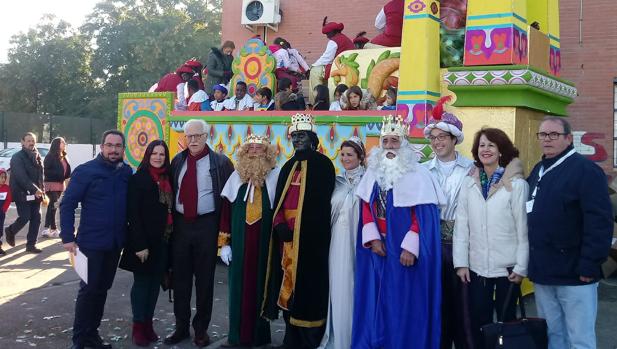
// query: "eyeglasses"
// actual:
[[442, 137], [194, 137], [114, 146], [551, 135]]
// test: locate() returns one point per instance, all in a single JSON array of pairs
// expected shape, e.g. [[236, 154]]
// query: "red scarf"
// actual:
[[188, 187], [159, 175]]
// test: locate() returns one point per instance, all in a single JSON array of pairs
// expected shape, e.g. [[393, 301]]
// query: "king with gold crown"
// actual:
[[398, 254], [297, 278], [246, 223]]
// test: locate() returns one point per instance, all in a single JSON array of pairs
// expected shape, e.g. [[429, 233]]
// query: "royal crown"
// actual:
[[394, 126], [256, 139], [302, 122]]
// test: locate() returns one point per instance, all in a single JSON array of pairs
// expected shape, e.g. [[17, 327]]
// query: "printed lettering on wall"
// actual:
[[586, 143]]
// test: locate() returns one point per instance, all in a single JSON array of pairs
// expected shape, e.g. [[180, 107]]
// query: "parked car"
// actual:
[[7, 154]]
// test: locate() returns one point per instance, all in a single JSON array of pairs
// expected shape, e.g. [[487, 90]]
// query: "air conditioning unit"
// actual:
[[261, 12]]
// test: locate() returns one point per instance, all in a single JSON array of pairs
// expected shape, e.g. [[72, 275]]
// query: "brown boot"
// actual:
[[139, 336]]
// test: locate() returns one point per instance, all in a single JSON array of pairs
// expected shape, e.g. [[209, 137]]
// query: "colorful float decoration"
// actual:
[[255, 65], [499, 59]]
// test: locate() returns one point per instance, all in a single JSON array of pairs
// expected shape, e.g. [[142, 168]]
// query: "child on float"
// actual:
[[390, 102], [357, 99], [220, 98], [322, 97], [286, 99], [338, 92], [263, 100]]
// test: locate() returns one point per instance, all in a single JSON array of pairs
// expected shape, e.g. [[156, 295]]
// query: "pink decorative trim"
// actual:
[[411, 243], [370, 233]]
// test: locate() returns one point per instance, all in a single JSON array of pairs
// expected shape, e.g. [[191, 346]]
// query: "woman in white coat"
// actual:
[[490, 246], [345, 216]]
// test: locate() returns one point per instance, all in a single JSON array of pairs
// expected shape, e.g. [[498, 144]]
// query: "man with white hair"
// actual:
[[449, 168], [199, 175], [398, 255]]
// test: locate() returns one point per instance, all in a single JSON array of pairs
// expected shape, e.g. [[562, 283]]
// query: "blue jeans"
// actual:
[[570, 312]]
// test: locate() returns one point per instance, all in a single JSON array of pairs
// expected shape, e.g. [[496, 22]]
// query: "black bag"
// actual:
[[524, 333]]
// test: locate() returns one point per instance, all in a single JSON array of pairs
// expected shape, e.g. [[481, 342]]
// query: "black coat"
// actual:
[[218, 63], [571, 225], [54, 171], [310, 296], [26, 175], [147, 221]]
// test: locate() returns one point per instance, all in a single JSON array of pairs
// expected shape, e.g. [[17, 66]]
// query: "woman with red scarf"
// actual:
[[150, 201]]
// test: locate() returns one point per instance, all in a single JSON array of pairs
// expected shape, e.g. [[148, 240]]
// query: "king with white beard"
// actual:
[[398, 255]]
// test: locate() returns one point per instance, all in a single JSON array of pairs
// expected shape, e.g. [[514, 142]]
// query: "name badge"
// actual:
[[529, 206], [30, 198], [3, 196]]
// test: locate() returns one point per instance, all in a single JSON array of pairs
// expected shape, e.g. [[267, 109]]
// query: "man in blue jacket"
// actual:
[[100, 185], [570, 229]]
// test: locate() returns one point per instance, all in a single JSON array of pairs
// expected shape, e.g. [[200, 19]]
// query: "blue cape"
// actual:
[[399, 307]]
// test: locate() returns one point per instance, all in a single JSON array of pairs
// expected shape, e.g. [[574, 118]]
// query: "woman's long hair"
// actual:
[[322, 97], [145, 161], [54, 149]]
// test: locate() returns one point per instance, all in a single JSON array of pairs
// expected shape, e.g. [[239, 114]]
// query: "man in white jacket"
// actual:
[[449, 168]]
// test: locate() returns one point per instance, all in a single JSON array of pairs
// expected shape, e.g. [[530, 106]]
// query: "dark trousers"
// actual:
[[144, 295], [455, 315], [2, 217], [50, 215], [27, 211], [487, 297], [301, 337], [194, 253], [91, 297]]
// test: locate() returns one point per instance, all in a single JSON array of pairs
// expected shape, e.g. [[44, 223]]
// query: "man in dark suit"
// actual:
[[199, 175], [27, 190]]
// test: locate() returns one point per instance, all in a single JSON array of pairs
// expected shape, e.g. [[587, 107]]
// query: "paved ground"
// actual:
[[37, 294]]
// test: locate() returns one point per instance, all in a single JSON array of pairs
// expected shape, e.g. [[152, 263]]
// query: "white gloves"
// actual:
[[226, 254]]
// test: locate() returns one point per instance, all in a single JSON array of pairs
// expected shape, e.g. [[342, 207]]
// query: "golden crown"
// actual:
[[394, 126], [302, 122], [257, 139]]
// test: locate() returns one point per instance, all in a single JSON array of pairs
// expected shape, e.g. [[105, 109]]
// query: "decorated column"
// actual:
[[419, 74], [554, 36], [496, 32]]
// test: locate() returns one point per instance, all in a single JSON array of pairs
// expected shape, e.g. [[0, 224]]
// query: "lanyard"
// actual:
[[542, 173]]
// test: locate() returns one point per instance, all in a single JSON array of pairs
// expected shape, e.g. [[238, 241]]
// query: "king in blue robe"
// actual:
[[398, 306]]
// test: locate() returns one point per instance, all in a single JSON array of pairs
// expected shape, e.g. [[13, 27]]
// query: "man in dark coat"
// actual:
[[27, 191], [219, 66], [198, 175], [570, 223], [100, 185], [300, 240]]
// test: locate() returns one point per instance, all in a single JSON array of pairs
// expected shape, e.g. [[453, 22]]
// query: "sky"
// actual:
[[19, 16]]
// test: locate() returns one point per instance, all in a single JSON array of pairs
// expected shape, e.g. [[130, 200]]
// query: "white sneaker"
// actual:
[[55, 233], [46, 233]]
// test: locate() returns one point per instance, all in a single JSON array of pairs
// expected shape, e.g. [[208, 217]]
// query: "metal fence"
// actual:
[[76, 130]]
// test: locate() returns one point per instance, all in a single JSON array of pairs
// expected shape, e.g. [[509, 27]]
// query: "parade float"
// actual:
[[500, 60]]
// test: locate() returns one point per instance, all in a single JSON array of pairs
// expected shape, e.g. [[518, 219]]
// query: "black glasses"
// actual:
[[551, 135], [442, 137]]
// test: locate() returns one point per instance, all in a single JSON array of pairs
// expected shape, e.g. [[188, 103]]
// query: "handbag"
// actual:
[[523, 333]]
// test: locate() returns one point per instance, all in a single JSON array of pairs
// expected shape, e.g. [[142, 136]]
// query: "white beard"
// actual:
[[389, 171]]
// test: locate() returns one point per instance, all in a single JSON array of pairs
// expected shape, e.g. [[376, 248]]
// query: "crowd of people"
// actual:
[[390, 253], [206, 88]]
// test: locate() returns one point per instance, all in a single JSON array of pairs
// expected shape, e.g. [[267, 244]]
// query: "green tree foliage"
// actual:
[[47, 71], [124, 45]]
